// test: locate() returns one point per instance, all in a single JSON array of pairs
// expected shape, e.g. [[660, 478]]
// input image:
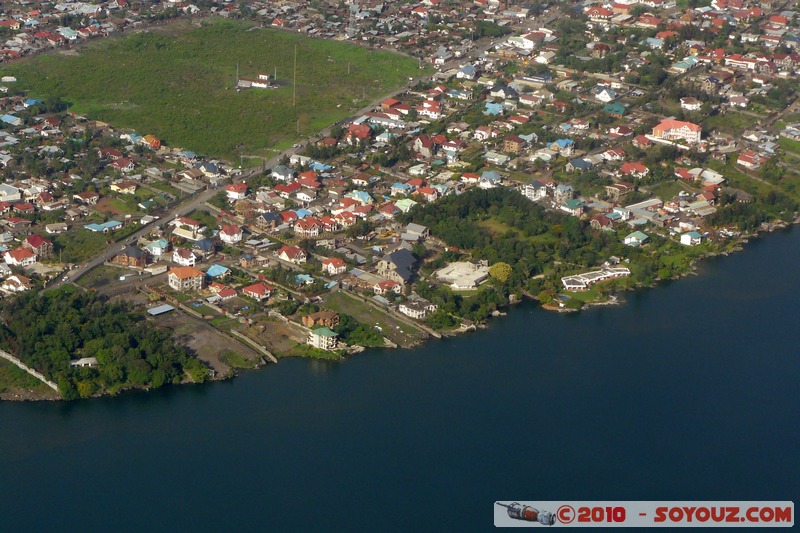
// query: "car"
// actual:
[[65, 278]]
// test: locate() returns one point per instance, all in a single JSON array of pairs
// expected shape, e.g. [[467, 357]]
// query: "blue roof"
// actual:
[[135, 138], [32, 101], [10, 119], [160, 243], [302, 213], [398, 185], [161, 309], [303, 278], [111, 224], [187, 154], [331, 284], [320, 167], [563, 143], [491, 175], [493, 108], [215, 271]]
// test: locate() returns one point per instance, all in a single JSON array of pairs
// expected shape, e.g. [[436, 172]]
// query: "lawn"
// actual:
[[396, 331], [181, 87], [78, 245], [668, 189], [729, 122]]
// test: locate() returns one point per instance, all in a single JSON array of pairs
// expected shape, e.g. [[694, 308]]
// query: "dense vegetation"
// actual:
[[47, 331], [501, 226], [181, 87]]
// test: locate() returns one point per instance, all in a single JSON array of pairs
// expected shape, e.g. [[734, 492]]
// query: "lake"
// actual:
[[684, 392]]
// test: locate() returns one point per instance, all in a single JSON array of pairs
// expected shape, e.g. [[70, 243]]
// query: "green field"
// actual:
[[395, 330], [181, 86]]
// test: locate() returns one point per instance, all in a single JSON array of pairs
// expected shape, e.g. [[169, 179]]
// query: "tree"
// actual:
[[500, 271]]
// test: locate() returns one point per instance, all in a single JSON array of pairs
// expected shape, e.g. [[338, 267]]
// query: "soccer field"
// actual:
[[180, 84]]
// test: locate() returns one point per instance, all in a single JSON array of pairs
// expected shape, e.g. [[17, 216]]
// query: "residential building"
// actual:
[[678, 130], [334, 266], [185, 278], [258, 291], [419, 308], [323, 339], [38, 245]]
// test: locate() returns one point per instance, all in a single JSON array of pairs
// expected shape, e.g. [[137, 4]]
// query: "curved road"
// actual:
[[198, 200]]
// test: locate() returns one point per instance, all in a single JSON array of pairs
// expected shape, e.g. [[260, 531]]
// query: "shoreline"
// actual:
[[614, 299]]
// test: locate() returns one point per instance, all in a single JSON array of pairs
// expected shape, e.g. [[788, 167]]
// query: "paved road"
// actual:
[[198, 200]]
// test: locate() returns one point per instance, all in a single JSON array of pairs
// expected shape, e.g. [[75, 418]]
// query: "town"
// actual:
[[560, 152]]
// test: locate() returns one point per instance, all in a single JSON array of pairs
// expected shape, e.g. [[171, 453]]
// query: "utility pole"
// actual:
[[294, 80]]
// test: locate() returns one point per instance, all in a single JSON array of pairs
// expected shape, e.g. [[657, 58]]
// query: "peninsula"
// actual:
[[189, 196]]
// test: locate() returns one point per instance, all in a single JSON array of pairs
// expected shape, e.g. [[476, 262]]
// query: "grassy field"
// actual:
[[181, 86], [392, 328], [78, 244]]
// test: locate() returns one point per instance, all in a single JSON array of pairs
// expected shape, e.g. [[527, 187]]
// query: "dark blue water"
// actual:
[[688, 391]]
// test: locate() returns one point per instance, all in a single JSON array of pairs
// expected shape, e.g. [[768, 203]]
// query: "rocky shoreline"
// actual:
[[21, 394]]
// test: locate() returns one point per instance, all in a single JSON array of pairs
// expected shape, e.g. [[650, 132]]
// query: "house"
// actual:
[[327, 319], [417, 229], [579, 164], [691, 238], [563, 146], [86, 197], [616, 191], [397, 266], [637, 170], [513, 144], [600, 221], [124, 187], [385, 287], [185, 278], [419, 308], [424, 146], [236, 191], [16, 283], [573, 206], [19, 257], [158, 248], [672, 130], [750, 159], [292, 254], [691, 104], [323, 339], [130, 256], [334, 266], [637, 238], [56, 228], [151, 141], [38, 245], [230, 234], [258, 291], [283, 173], [534, 190], [184, 257], [123, 165], [308, 227]]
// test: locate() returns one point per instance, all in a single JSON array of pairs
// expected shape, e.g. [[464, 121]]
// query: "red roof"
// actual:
[[670, 124], [36, 241], [335, 262], [258, 288], [237, 187], [291, 252], [21, 254]]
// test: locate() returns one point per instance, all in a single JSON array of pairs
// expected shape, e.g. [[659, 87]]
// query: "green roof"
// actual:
[[615, 108], [324, 332]]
